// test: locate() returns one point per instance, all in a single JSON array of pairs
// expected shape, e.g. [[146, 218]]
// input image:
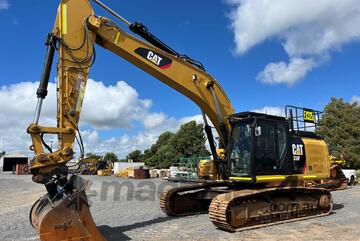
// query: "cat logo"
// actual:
[[157, 59], [154, 58], [298, 149]]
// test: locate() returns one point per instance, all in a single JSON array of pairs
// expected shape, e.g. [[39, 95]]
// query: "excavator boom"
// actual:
[[74, 35], [260, 176]]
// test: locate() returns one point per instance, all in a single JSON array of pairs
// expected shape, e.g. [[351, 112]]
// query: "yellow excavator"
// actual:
[[88, 166], [93, 166], [262, 174]]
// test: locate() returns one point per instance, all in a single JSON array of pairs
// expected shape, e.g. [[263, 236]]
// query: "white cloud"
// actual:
[[4, 4], [114, 106], [154, 119], [355, 99], [197, 118], [281, 72], [271, 110], [17, 104], [307, 29], [124, 144], [105, 107]]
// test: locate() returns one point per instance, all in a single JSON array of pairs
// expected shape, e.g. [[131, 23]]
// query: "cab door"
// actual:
[[271, 147]]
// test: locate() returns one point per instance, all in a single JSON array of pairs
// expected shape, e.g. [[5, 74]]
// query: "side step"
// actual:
[[247, 209]]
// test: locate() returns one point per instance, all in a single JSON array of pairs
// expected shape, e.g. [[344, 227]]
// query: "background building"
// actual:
[[8, 162]]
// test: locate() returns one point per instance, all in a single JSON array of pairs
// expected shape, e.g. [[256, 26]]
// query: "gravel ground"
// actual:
[[136, 215]]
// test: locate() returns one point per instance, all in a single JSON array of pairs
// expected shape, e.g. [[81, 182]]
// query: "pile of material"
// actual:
[[162, 173], [123, 173], [139, 173], [22, 169], [134, 172], [153, 173]]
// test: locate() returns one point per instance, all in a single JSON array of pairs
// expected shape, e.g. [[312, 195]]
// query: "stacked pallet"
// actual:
[[141, 173], [22, 169]]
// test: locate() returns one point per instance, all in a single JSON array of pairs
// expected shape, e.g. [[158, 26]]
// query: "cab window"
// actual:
[[271, 144], [240, 148]]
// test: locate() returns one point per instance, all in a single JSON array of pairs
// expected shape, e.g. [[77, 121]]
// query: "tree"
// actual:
[[110, 157], [155, 155], [93, 156], [3, 153], [135, 156], [189, 141], [166, 156], [340, 127]]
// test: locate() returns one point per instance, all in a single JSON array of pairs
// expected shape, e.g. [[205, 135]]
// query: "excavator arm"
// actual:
[[75, 33]]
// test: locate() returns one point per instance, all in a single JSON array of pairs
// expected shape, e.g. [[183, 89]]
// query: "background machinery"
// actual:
[[348, 176], [88, 166], [262, 174], [92, 166]]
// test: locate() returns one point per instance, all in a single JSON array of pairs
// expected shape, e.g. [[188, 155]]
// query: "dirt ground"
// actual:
[[126, 209]]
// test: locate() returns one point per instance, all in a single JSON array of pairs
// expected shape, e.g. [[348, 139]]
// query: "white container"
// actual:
[[153, 173], [173, 171], [161, 173]]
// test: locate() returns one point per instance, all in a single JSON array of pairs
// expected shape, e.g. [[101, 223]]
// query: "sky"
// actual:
[[265, 54]]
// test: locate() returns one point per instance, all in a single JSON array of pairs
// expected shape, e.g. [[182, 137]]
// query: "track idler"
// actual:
[[65, 218]]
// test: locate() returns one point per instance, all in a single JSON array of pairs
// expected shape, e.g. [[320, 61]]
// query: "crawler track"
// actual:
[[246, 209], [182, 200]]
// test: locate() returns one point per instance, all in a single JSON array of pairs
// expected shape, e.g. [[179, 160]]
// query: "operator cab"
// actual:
[[258, 144], [262, 144]]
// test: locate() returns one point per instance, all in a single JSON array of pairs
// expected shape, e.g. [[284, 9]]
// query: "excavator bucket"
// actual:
[[68, 218]]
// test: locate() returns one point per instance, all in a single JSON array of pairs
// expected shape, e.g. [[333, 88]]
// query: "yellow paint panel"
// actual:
[[309, 177], [270, 178], [63, 18], [317, 157], [278, 178], [117, 37], [240, 178]]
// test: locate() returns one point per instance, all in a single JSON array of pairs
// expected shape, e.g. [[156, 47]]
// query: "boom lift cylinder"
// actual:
[[44, 81]]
